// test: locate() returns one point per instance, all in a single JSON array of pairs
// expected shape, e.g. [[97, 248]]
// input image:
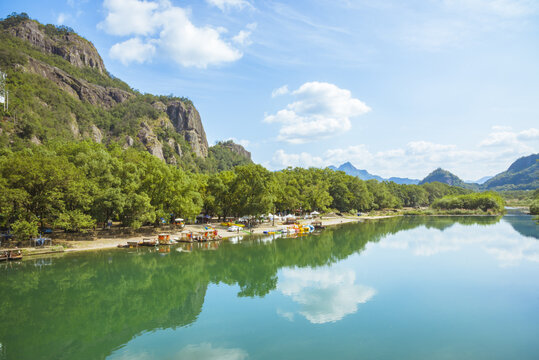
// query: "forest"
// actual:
[[78, 186]]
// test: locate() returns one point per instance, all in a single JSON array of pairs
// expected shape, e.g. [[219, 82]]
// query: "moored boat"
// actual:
[[147, 242], [164, 239], [14, 254]]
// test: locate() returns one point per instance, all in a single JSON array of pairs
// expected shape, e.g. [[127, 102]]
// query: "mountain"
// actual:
[[523, 174], [404, 181], [443, 176], [60, 90], [350, 169], [482, 180]]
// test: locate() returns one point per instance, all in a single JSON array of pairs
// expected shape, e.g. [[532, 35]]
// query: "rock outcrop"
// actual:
[[82, 89], [186, 121], [150, 140], [70, 46], [238, 149]]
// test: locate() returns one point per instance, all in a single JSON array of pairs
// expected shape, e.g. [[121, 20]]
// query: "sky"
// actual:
[[395, 87]]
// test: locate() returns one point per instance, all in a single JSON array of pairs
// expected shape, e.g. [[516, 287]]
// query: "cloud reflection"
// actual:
[[208, 352], [325, 295], [505, 244]]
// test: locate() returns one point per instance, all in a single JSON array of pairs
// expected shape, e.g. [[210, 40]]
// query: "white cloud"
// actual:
[[132, 50], [130, 17], [297, 160], [189, 45], [518, 141], [208, 352], [325, 294], [243, 37], [424, 147], [417, 158], [169, 29], [283, 90], [60, 20], [229, 4], [322, 110]]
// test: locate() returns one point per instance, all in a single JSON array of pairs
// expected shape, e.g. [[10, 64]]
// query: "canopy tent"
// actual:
[[315, 213]]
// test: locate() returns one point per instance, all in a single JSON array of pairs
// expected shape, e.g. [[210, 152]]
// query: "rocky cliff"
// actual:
[[48, 39], [186, 120], [92, 93], [47, 65]]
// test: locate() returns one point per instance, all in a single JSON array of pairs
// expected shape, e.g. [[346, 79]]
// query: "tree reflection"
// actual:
[[87, 305]]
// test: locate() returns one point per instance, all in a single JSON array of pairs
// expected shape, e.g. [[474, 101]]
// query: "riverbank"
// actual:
[[110, 243]]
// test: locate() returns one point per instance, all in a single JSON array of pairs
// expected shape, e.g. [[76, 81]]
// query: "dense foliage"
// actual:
[[79, 185], [76, 185], [534, 206], [477, 201]]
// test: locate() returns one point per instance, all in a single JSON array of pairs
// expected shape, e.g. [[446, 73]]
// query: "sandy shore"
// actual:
[[105, 243]]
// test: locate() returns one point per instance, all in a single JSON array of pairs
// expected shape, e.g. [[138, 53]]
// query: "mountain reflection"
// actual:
[[86, 306]]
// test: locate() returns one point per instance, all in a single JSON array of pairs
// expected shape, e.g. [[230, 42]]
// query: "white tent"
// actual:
[[315, 213]]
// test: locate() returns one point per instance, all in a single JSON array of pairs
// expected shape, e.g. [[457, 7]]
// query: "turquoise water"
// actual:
[[400, 288]]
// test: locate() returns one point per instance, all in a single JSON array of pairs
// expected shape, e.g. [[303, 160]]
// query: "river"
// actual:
[[400, 288]]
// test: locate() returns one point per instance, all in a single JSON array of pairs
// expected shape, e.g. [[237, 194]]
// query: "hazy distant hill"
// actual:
[[350, 169], [482, 180], [523, 174]]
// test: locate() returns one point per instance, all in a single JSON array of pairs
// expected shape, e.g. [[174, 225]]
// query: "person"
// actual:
[[109, 223]]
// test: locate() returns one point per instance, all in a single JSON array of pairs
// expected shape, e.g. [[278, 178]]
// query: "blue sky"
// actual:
[[396, 87]]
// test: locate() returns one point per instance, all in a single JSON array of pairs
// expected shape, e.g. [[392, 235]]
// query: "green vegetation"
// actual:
[[534, 206], [523, 174], [489, 201], [76, 186]]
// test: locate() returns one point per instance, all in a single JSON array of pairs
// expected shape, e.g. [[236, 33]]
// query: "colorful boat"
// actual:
[[164, 239]]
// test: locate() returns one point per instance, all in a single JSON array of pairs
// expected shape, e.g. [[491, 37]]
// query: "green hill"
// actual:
[[446, 177], [443, 176], [523, 174]]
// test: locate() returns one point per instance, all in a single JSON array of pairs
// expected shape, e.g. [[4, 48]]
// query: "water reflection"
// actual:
[[89, 305], [325, 294], [208, 352], [505, 244]]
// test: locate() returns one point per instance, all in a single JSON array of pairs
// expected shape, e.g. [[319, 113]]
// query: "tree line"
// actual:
[[77, 186]]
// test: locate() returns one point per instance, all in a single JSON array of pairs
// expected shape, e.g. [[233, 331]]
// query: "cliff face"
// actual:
[[70, 46], [186, 120], [85, 91], [117, 113]]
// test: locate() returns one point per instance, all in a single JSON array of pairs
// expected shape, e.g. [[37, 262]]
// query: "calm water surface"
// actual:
[[400, 288]]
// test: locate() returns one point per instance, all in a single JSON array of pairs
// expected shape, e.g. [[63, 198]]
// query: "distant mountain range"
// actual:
[[350, 169], [523, 174]]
